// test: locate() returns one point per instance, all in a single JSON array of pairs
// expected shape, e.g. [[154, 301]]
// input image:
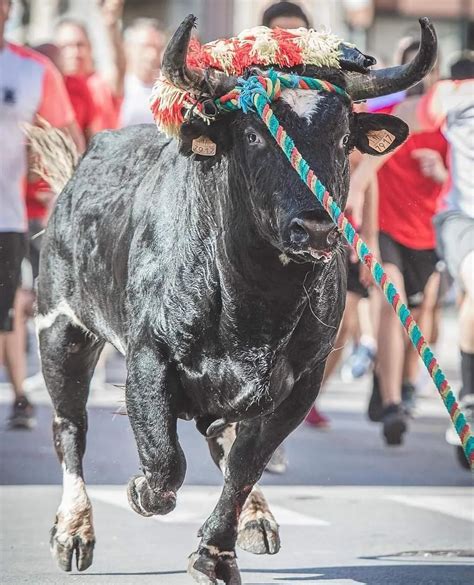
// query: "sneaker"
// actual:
[[278, 463], [409, 398], [360, 362], [22, 416], [316, 419], [375, 408], [394, 424]]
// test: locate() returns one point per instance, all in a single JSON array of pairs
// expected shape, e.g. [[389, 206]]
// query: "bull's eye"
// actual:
[[253, 138], [345, 140]]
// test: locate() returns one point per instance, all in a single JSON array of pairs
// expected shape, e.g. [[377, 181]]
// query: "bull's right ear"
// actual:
[[378, 134], [207, 142]]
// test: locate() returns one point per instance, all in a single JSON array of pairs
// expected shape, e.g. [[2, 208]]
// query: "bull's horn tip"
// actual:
[[191, 19], [425, 22]]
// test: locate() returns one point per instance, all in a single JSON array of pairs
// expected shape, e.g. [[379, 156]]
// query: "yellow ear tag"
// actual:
[[204, 146], [380, 140]]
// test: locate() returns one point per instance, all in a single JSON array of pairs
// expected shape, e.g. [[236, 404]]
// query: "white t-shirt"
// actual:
[[30, 85], [136, 102]]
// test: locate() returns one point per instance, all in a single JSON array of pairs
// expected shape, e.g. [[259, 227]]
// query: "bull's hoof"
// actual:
[[207, 569], [145, 501], [259, 537], [64, 546]]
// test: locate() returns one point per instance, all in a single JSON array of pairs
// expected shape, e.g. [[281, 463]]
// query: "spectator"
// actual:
[[358, 281], [78, 91], [76, 59], [449, 105], [30, 86], [285, 15], [410, 181], [144, 43]]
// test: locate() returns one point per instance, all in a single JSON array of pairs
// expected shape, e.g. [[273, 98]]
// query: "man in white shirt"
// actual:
[[145, 41], [30, 86]]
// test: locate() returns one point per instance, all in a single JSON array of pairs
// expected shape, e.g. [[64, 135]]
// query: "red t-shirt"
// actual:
[[407, 199], [81, 100], [106, 105]]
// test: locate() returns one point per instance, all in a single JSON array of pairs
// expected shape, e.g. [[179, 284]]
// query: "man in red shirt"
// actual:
[[410, 183], [76, 59]]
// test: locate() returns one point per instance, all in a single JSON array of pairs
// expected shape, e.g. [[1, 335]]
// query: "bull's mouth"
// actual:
[[310, 254]]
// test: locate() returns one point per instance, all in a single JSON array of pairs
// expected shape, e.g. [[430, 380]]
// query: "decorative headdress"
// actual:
[[192, 71]]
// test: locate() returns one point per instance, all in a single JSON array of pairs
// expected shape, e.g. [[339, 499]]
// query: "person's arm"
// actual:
[[361, 178], [55, 106], [369, 227], [112, 11]]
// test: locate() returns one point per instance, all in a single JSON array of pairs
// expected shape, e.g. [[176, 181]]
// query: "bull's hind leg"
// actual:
[[68, 358], [152, 393], [258, 530]]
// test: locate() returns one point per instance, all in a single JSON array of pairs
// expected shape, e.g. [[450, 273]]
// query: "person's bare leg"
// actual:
[[14, 348], [466, 325], [466, 313], [424, 315], [391, 344]]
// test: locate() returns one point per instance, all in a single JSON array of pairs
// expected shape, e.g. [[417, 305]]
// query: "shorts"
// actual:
[[416, 266], [454, 239], [12, 252], [353, 283]]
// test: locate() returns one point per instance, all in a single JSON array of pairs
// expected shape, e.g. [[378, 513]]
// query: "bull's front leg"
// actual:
[[152, 399], [254, 445]]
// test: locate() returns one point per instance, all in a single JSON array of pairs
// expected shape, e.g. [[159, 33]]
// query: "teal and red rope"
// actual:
[[256, 93]]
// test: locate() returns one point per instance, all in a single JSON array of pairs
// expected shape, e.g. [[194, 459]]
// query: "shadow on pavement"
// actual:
[[421, 574]]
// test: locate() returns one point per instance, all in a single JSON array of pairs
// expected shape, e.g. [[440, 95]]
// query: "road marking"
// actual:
[[460, 506], [195, 505]]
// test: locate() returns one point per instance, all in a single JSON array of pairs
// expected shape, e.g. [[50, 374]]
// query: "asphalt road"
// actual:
[[351, 510]]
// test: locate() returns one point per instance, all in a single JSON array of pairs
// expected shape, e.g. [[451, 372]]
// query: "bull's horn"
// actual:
[[174, 65], [362, 86], [176, 70]]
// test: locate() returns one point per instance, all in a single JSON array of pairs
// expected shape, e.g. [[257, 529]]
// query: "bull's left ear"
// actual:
[[378, 134]]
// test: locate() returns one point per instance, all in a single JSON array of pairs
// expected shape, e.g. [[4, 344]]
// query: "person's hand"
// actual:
[[431, 164], [112, 11]]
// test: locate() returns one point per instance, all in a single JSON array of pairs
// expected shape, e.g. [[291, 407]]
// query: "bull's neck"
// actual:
[[259, 289]]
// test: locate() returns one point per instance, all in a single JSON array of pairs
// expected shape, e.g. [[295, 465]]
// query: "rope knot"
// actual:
[[267, 86]]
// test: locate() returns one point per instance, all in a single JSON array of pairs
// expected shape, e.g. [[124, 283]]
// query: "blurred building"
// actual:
[[374, 25]]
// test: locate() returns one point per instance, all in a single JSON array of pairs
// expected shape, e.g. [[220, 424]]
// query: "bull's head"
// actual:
[[323, 125]]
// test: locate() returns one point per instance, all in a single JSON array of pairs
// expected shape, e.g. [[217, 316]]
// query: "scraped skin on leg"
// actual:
[[68, 357], [258, 531]]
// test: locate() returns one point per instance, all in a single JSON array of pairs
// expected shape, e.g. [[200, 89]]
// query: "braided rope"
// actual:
[[256, 93]]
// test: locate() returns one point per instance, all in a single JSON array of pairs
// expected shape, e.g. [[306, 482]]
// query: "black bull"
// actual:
[[223, 285]]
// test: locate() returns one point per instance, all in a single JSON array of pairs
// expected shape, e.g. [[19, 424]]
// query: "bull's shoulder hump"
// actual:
[[129, 140]]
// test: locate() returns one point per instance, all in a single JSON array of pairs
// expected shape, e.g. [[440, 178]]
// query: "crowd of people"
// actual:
[[414, 207]]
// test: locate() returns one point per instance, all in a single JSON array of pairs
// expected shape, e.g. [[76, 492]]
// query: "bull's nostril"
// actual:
[[332, 237], [298, 233]]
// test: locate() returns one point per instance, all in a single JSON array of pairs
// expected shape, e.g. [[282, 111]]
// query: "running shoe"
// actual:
[[278, 464], [22, 416], [375, 408], [360, 362], [394, 421], [317, 419]]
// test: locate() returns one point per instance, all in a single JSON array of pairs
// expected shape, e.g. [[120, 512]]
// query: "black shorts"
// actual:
[[12, 252], [416, 266], [353, 283]]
